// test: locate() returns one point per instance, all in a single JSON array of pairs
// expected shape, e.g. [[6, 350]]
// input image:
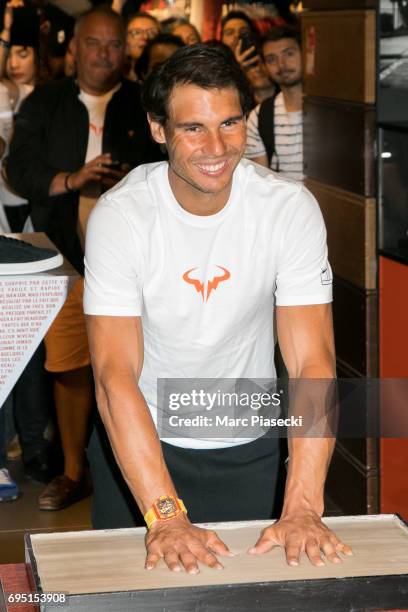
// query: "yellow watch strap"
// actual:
[[152, 515]]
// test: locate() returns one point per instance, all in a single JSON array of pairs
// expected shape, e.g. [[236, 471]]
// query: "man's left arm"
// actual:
[[306, 341]]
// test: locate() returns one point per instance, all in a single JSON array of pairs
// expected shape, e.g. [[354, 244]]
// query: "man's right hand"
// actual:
[[182, 544], [243, 58], [93, 171]]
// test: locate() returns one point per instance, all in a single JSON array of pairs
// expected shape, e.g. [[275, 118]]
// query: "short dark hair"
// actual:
[[238, 15], [165, 38], [209, 67], [279, 32]]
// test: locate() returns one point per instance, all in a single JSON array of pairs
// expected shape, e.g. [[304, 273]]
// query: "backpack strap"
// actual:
[[266, 125]]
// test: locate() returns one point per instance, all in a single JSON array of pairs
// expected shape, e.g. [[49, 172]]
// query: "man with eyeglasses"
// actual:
[[141, 27]]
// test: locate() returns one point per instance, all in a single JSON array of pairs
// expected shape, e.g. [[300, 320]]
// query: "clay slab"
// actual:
[[106, 561]]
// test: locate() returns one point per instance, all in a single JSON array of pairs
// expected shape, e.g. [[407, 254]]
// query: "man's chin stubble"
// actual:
[[295, 83], [196, 186]]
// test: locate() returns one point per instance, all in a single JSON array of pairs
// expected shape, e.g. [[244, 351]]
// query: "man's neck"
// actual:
[[194, 201], [293, 98], [261, 93], [95, 92]]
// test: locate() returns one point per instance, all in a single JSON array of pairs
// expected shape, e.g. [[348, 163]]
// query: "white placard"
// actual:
[[28, 306]]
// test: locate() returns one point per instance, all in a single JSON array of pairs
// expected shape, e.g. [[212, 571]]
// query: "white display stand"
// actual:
[[28, 306]]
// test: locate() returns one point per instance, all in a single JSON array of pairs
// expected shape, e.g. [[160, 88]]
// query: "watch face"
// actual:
[[166, 506]]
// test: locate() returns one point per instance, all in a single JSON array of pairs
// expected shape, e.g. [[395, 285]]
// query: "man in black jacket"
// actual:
[[48, 150], [73, 139]]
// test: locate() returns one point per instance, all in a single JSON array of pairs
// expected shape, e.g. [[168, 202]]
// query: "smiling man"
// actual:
[[275, 127], [186, 262]]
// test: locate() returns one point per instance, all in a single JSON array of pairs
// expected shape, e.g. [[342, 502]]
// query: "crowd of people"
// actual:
[[72, 125]]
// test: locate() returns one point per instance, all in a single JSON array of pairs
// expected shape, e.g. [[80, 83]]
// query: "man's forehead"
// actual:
[[100, 25], [189, 98], [275, 46], [137, 22], [184, 26], [236, 24]]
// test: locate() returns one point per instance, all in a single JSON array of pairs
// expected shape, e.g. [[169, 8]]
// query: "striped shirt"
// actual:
[[288, 156]]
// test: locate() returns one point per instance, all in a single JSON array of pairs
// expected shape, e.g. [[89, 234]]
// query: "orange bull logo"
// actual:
[[206, 288]]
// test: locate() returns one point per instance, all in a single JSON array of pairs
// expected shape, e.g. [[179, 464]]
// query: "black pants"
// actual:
[[33, 392], [32, 402], [17, 216], [229, 484]]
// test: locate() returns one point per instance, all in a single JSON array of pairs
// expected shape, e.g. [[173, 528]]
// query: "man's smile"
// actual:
[[213, 169]]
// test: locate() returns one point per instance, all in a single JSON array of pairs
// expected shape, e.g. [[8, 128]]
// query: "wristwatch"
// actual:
[[165, 507]]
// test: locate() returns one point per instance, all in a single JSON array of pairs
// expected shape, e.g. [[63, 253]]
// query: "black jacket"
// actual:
[[51, 136]]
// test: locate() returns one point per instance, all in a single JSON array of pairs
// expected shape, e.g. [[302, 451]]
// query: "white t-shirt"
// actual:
[[288, 156], [7, 112], [96, 107], [147, 256]]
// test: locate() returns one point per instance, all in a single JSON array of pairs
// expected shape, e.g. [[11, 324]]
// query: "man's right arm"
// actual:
[[116, 346], [96, 170], [123, 409]]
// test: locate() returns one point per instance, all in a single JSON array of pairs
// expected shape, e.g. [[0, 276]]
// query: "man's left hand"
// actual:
[[302, 532]]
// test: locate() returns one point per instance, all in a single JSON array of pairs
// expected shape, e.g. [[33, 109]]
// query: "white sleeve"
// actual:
[[113, 264], [6, 115], [255, 146], [304, 275]]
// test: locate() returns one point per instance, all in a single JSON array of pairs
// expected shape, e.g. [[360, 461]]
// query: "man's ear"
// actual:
[[157, 130], [72, 46]]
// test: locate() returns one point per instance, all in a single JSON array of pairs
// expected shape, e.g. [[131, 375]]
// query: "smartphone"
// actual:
[[114, 165], [248, 40]]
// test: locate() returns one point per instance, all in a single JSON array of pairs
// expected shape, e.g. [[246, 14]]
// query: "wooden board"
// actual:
[[97, 562], [333, 69], [355, 318], [352, 483], [2, 599], [394, 363], [353, 480], [339, 144], [351, 233], [393, 318]]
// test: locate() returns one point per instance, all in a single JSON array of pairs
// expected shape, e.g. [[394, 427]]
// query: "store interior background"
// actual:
[[355, 131]]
